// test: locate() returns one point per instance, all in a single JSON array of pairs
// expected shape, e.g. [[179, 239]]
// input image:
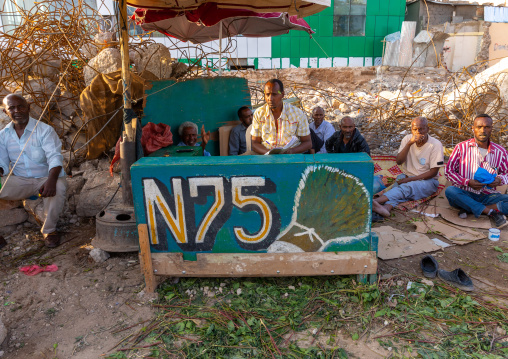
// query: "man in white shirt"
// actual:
[[34, 152], [323, 129], [421, 156]]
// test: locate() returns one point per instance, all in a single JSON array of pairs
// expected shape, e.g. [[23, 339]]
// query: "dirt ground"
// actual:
[[73, 312], [77, 311], [478, 259], [82, 309]]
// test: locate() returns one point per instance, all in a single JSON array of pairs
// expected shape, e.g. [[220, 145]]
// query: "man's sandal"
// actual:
[[52, 240]]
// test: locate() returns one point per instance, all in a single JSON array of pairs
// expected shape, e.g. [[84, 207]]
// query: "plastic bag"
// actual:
[[483, 176], [378, 184]]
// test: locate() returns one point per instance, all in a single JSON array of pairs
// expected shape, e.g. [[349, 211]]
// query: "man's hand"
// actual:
[[205, 137], [48, 189], [417, 139], [404, 180], [475, 185], [497, 182]]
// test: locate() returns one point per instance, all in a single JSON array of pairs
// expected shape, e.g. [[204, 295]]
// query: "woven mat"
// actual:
[[388, 168]]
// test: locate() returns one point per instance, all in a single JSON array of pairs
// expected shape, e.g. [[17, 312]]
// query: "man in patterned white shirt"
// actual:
[[468, 193], [34, 152], [276, 123]]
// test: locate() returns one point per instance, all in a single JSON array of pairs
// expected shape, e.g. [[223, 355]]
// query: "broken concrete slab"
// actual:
[[46, 64], [36, 208], [407, 34], [107, 61], [96, 193], [157, 59], [391, 55]]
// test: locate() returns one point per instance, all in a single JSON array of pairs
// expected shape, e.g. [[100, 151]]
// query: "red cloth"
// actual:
[[153, 138], [35, 269]]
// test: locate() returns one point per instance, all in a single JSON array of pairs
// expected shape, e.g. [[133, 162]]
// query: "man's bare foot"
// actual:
[[380, 209]]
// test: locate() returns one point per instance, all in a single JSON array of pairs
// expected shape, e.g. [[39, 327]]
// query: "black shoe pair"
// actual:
[[457, 278]]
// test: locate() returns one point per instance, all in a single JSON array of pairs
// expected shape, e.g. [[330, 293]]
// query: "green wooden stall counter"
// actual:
[[257, 215], [212, 102]]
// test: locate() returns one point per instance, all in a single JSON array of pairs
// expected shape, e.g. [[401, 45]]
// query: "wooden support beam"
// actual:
[[126, 73], [265, 264], [145, 259]]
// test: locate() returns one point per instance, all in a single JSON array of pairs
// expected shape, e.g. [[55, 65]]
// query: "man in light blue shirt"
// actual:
[[323, 129], [188, 132], [31, 164]]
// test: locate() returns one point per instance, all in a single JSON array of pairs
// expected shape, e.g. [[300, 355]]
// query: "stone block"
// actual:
[[96, 193], [36, 208], [107, 61], [12, 216], [98, 255], [157, 59], [5, 205]]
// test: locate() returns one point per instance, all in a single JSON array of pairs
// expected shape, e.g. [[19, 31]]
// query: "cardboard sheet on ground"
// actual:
[[440, 206], [396, 244], [451, 232]]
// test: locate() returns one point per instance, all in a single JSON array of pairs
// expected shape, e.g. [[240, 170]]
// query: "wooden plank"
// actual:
[[265, 264], [145, 259]]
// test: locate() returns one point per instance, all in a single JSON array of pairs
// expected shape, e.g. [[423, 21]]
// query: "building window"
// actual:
[[349, 17]]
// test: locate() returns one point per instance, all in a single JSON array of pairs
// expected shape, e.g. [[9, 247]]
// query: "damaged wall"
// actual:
[[498, 42], [430, 13]]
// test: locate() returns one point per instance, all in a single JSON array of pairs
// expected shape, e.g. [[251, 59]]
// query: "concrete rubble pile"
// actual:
[[384, 115], [52, 78]]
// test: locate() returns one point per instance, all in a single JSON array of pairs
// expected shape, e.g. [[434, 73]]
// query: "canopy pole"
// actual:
[[126, 74], [220, 48], [128, 145]]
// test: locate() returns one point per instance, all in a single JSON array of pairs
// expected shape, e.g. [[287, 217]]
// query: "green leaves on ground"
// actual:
[[306, 317]]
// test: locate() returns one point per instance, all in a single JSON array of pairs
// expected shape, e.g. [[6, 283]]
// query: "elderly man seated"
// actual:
[[472, 192], [347, 140], [322, 129], [421, 156], [33, 152], [188, 132]]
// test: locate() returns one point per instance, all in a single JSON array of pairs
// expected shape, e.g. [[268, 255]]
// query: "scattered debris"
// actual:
[[98, 255]]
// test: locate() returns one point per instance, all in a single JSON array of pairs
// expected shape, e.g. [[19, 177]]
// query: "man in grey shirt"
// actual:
[[237, 142]]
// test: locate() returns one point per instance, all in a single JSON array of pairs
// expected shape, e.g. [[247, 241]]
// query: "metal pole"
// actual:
[[127, 147], [220, 48]]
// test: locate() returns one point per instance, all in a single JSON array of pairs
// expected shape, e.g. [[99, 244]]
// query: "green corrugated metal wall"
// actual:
[[383, 17]]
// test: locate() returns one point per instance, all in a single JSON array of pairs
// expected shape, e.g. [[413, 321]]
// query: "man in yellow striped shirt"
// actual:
[[275, 123]]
